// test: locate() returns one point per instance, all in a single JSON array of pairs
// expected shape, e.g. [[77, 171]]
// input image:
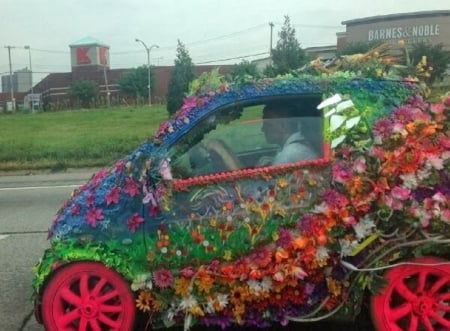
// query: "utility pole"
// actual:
[[271, 33], [11, 78]]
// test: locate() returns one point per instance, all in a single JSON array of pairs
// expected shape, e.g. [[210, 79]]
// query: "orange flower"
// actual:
[[182, 286], [300, 242], [281, 255]]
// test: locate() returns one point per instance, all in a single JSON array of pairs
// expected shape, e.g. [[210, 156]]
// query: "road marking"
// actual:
[[3, 236], [37, 187]]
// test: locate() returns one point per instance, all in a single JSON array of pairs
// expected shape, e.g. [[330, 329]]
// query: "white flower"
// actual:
[[142, 281], [188, 302], [409, 180], [254, 286], [363, 228], [322, 253], [266, 284], [435, 162], [222, 299], [347, 246]]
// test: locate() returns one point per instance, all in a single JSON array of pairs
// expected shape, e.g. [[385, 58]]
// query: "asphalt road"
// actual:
[[28, 204]]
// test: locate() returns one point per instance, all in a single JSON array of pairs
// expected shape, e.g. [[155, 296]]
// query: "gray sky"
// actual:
[[212, 30]]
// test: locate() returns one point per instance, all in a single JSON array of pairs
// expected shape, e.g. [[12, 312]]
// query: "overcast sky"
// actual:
[[212, 30]]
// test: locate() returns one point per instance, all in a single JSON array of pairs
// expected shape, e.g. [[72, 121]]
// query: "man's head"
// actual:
[[279, 122]]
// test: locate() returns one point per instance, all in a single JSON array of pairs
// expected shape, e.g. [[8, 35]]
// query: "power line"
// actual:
[[233, 58]]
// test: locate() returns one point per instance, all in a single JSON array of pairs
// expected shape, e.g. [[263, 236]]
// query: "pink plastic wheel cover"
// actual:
[[415, 297], [87, 296]]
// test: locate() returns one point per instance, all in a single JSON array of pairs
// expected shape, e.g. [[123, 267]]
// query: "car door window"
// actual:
[[247, 136]]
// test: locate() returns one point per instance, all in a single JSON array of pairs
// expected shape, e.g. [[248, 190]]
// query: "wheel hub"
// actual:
[[89, 308], [423, 306]]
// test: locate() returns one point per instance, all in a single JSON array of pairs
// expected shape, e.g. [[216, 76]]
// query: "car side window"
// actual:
[[248, 136]]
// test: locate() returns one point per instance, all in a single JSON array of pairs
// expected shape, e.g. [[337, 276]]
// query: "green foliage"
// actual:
[[288, 55], [207, 81], [135, 82], [244, 71], [182, 75], [437, 60], [83, 91], [73, 139]]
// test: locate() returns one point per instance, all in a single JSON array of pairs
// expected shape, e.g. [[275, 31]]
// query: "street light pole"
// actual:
[[148, 49], [31, 72], [11, 85]]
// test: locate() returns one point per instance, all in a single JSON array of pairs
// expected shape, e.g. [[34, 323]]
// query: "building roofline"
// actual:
[[392, 17]]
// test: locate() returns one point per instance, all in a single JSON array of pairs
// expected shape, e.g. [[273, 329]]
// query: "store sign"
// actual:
[[407, 32], [103, 56], [82, 55]]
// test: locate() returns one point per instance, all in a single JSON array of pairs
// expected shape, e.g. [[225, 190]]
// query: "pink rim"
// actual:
[[87, 296], [415, 298]]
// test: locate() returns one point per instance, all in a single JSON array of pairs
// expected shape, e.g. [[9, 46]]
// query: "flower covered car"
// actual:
[[200, 225]]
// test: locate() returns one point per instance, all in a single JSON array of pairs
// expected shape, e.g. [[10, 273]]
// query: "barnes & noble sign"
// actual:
[[411, 34]]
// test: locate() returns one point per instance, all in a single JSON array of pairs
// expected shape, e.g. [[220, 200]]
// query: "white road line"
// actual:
[[3, 236], [37, 187]]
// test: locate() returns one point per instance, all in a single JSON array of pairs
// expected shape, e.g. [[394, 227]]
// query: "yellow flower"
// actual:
[[144, 301], [282, 183], [196, 311], [213, 222], [227, 256], [182, 286]]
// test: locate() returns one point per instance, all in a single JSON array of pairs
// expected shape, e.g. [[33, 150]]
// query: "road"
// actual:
[[27, 206]]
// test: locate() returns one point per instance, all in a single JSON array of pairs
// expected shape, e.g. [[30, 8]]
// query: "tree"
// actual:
[[135, 82], [431, 60], [288, 55], [182, 75], [244, 70], [83, 91]]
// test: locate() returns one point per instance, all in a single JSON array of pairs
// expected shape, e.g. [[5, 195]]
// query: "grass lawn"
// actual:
[[72, 139]]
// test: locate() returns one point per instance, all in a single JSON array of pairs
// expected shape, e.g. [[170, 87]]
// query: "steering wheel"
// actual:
[[221, 156]]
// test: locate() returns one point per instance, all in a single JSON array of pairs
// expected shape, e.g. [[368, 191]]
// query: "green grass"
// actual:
[[73, 139]]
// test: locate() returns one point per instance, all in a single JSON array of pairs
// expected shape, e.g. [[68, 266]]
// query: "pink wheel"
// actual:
[[87, 296], [415, 298]]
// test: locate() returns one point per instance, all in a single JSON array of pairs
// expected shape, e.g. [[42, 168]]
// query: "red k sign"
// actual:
[[82, 55]]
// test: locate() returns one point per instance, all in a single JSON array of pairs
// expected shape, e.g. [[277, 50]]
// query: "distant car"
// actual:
[[207, 224]]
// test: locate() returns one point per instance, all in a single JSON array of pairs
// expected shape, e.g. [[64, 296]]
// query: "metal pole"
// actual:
[[11, 78], [31, 71], [148, 50]]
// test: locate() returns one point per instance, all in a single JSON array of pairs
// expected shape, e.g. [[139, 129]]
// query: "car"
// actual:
[[209, 223]]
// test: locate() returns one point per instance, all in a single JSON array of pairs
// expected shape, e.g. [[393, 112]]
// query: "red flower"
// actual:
[[134, 221], [93, 216], [112, 196], [132, 188], [163, 278]]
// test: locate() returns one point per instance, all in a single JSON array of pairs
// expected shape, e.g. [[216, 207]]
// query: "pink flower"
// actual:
[[163, 278], [187, 272], [189, 103], [133, 222], [132, 188], [90, 201], [445, 215], [341, 173], [93, 216], [75, 209], [360, 165], [382, 128], [99, 176], [403, 115], [400, 193], [112, 196]]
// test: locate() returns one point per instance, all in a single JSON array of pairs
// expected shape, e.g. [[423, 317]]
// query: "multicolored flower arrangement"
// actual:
[[256, 246]]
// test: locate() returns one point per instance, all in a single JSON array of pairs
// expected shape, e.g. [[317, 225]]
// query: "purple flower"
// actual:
[[403, 115], [133, 222], [383, 128]]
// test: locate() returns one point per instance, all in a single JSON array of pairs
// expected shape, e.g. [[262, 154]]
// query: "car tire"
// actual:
[[416, 297], [86, 296]]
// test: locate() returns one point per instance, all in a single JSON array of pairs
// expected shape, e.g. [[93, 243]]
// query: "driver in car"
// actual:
[[281, 126]]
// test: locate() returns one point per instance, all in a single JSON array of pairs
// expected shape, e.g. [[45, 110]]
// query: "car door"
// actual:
[[226, 197]]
